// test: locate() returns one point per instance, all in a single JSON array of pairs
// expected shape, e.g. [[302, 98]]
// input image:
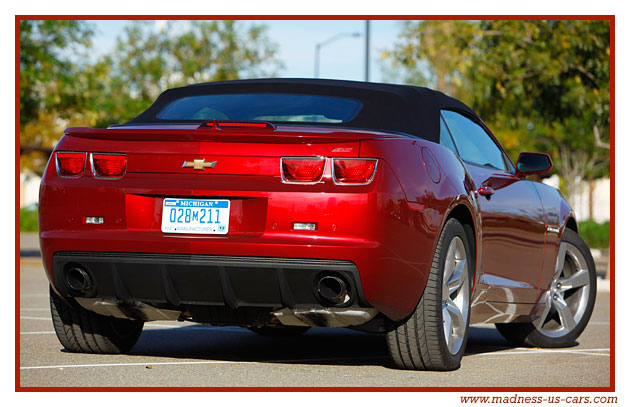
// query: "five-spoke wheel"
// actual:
[[455, 295], [568, 303]]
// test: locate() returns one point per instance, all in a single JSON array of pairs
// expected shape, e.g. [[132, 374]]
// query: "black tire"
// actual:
[[83, 331], [526, 334], [281, 331], [420, 343]]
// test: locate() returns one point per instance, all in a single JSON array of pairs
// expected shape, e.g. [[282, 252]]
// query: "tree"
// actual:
[[45, 62], [435, 54], [147, 62], [538, 84], [57, 89], [48, 92]]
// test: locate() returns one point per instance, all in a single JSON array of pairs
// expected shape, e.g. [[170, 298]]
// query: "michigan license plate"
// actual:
[[200, 216]]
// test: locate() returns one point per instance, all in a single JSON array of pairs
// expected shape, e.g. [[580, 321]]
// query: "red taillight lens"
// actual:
[[70, 164], [109, 165], [303, 170], [354, 171]]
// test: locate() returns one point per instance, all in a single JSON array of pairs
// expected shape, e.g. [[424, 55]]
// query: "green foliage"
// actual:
[[47, 71], [60, 86], [596, 235], [28, 220], [49, 92], [436, 54], [540, 85], [146, 62]]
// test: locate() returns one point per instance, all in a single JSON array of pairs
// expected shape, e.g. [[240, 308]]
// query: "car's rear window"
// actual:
[[262, 106]]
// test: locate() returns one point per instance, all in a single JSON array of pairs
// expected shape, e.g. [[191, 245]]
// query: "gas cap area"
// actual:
[[431, 164]]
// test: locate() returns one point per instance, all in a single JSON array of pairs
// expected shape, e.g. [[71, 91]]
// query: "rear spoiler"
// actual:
[[281, 135]]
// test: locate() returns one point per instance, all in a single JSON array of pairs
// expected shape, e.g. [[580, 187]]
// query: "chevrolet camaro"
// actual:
[[284, 204]]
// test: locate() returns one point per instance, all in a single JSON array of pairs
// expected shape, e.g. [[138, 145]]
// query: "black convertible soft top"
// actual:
[[401, 108]]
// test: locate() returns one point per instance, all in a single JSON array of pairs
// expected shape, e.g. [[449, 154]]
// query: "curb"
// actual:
[[603, 285]]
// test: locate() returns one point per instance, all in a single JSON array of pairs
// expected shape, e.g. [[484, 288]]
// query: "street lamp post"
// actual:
[[367, 50], [319, 46]]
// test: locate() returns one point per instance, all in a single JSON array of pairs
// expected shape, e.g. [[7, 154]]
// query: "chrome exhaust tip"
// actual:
[[79, 280], [333, 289]]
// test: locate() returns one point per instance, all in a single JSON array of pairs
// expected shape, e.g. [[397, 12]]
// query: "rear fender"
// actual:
[[428, 199]]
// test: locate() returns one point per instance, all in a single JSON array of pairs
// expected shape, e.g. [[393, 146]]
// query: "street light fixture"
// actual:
[[319, 46]]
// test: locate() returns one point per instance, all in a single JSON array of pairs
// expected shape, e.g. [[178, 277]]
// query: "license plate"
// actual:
[[200, 216]]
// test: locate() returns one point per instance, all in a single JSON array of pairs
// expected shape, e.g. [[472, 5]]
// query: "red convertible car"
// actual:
[[284, 204]]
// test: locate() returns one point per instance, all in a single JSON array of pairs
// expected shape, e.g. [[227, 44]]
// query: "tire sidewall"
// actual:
[[452, 229]]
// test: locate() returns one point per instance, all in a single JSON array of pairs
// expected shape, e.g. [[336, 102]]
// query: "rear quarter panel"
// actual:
[[414, 219]]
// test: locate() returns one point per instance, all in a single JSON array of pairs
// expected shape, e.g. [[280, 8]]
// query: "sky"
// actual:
[[343, 58]]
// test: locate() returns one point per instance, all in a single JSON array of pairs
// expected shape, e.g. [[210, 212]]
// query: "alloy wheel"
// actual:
[[568, 297], [455, 295]]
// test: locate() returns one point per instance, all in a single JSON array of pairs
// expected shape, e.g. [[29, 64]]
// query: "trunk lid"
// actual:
[[234, 151]]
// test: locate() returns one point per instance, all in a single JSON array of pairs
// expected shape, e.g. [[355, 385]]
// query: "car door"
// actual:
[[512, 217]]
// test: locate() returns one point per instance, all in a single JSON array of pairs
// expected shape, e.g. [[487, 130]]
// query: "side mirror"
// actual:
[[533, 163]]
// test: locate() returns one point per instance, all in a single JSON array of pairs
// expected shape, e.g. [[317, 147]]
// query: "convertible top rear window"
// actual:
[[411, 110], [262, 106]]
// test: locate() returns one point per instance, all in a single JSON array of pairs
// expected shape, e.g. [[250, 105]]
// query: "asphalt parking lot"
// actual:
[[185, 354]]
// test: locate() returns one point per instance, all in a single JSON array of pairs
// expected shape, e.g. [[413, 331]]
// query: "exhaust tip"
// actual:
[[79, 279], [333, 289]]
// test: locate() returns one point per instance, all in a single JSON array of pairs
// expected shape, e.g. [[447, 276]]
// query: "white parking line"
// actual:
[[35, 309], [36, 318], [204, 362], [566, 350], [154, 325], [150, 325], [218, 362], [525, 351], [37, 333], [50, 319], [162, 325]]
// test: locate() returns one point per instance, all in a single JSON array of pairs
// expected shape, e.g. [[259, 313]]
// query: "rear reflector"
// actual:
[[354, 170], [109, 165], [306, 170], [70, 164]]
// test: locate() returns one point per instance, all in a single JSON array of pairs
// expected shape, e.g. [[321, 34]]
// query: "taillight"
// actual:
[[354, 170], [70, 164], [109, 165], [302, 170]]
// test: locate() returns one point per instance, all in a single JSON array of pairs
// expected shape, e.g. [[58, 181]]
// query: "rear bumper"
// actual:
[[372, 227], [175, 280]]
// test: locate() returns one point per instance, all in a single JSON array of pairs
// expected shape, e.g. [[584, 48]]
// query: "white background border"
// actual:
[[390, 7]]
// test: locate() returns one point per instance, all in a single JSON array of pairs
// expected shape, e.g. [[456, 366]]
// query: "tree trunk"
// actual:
[[591, 189], [571, 172]]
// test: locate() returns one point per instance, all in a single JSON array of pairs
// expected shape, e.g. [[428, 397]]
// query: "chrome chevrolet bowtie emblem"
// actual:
[[199, 164]]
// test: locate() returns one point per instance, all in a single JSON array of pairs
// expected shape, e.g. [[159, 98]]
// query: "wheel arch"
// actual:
[[571, 223], [464, 215]]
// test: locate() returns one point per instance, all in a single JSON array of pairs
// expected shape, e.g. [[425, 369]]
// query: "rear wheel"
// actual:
[[279, 331], [435, 336], [83, 331], [569, 302]]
